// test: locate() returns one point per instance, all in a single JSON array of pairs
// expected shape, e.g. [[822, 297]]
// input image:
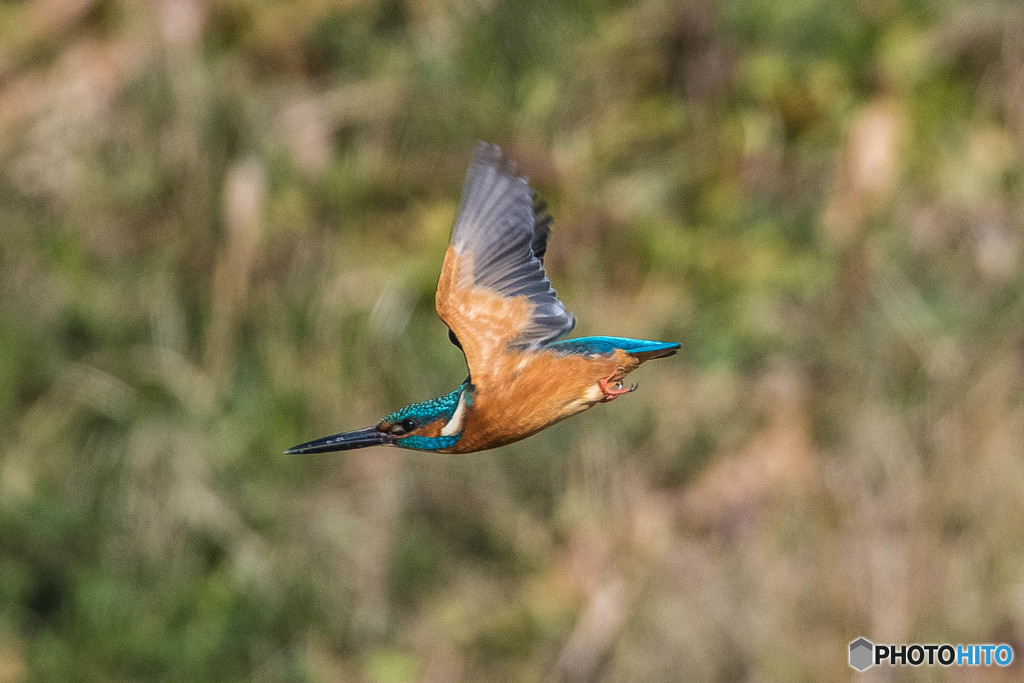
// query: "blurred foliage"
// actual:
[[221, 225]]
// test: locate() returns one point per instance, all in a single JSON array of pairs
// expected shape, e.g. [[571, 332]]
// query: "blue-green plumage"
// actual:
[[426, 412], [606, 346], [429, 443]]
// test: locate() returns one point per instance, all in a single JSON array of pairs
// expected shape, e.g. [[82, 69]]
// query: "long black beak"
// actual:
[[343, 442]]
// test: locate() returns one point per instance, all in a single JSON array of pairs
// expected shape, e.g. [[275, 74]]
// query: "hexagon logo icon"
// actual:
[[861, 654]]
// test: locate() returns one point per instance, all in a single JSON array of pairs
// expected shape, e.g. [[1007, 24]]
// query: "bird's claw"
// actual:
[[615, 389]]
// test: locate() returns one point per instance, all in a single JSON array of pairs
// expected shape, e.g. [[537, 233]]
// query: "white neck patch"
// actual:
[[454, 425]]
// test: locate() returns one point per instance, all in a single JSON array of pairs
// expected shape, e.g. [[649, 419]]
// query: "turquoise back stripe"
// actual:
[[607, 345]]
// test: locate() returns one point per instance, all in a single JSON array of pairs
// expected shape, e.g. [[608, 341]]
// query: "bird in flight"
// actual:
[[503, 314]]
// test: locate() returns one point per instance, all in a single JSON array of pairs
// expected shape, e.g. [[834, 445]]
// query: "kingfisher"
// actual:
[[504, 315]]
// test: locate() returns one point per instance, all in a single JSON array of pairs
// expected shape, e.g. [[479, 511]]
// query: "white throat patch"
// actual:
[[454, 425]]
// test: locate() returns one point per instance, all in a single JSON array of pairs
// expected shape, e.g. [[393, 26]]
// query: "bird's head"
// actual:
[[432, 425]]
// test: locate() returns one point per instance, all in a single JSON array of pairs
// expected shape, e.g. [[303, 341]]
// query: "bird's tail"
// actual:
[[645, 350]]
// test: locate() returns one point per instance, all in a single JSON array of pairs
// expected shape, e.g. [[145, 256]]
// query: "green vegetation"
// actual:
[[221, 225]]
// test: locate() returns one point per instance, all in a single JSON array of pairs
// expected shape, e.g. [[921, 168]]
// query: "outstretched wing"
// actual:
[[493, 292], [541, 231]]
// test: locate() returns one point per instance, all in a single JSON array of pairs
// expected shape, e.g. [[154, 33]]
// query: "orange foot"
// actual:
[[613, 392]]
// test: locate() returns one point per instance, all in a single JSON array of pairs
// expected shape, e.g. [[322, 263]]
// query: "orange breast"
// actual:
[[523, 393]]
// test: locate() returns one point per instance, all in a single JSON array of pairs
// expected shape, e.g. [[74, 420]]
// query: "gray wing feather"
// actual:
[[541, 230], [500, 224]]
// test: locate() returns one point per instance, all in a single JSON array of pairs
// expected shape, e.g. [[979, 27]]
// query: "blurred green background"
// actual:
[[221, 225]]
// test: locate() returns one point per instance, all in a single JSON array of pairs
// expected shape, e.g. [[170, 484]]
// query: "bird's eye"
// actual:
[[409, 424]]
